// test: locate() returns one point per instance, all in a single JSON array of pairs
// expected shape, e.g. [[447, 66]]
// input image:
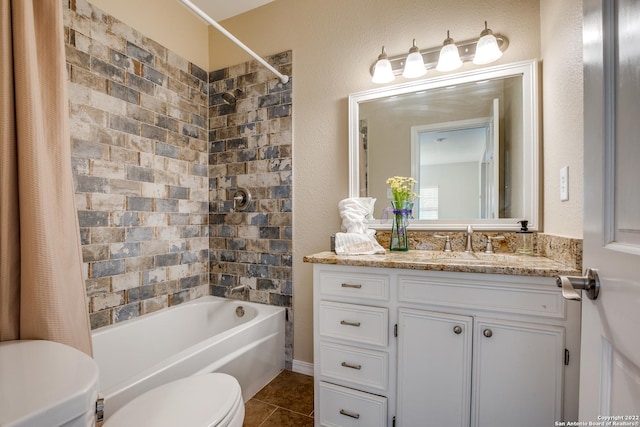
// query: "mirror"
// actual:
[[470, 140]]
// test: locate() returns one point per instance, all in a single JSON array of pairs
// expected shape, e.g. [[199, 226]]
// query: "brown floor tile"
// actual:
[[289, 390], [283, 418], [255, 412]]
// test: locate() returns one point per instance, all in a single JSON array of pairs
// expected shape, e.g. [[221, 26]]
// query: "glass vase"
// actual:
[[401, 215]]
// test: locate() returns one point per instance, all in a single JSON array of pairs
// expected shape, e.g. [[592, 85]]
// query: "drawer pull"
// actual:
[[349, 414], [487, 333], [344, 322], [457, 330], [349, 285], [348, 365]]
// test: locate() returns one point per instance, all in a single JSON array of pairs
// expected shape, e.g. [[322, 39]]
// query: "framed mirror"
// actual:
[[470, 140]]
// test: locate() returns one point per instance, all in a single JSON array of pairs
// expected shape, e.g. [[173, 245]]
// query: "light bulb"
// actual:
[[382, 71], [449, 59], [487, 49], [414, 64]]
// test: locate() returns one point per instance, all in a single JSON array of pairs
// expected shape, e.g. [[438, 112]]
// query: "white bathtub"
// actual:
[[204, 335]]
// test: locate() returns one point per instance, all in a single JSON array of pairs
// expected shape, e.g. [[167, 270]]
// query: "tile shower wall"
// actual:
[[250, 144], [140, 165], [154, 159]]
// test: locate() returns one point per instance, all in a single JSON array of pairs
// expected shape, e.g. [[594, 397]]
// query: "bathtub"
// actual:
[[209, 334]]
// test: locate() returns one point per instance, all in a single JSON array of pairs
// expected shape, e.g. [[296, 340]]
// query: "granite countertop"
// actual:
[[476, 262]]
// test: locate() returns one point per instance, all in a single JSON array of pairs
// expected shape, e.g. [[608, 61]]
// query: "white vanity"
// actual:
[[419, 339]]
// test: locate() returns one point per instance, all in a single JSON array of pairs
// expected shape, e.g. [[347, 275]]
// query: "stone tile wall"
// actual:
[[140, 165], [156, 153], [250, 145]]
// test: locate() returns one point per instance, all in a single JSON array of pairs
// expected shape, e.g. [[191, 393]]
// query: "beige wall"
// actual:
[[165, 21], [561, 40], [334, 43]]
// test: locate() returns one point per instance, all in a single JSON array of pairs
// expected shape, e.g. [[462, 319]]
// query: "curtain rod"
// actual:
[[195, 9]]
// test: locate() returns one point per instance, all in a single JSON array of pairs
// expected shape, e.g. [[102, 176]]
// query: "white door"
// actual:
[[610, 355]]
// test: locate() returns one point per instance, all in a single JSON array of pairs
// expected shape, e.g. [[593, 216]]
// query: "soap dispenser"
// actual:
[[525, 239]]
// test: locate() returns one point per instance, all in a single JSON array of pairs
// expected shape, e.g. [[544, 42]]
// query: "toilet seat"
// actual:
[[205, 400]]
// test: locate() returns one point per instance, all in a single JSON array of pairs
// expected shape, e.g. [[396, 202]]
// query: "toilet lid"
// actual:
[[45, 383], [198, 401]]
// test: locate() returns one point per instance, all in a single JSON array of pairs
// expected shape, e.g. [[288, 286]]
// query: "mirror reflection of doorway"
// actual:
[[456, 165]]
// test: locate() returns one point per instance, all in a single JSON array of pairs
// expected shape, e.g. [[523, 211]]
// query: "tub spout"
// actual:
[[241, 288]]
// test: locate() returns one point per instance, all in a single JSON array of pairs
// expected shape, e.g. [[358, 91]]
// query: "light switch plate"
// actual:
[[564, 183]]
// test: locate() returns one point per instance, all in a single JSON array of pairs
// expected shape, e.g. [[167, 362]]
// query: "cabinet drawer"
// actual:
[[530, 297], [356, 366], [341, 406], [354, 285], [358, 323]]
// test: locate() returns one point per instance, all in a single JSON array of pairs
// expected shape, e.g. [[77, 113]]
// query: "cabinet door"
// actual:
[[517, 374], [434, 369]]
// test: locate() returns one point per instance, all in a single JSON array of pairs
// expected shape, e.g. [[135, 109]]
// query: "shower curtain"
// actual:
[[42, 293]]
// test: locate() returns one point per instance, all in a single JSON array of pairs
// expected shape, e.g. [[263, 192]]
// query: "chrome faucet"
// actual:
[[468, 247]]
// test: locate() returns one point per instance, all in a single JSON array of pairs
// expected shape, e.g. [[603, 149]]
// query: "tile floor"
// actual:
[[287, 401]]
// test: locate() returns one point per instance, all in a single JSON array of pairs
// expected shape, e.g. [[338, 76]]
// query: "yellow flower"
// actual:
[[402, 188]]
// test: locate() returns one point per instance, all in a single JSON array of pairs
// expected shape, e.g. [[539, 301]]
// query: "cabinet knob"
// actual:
[[487, 333], [457, 330]]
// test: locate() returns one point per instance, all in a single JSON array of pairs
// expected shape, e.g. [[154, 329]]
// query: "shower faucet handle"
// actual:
[[241, 198]]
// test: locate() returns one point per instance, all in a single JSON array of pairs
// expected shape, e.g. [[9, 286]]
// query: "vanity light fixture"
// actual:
[[487, 49], [442, 58], [449, 59], [382, 70], [414, 66]]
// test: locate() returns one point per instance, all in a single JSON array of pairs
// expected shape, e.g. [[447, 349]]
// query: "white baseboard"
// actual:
[[300, 367]]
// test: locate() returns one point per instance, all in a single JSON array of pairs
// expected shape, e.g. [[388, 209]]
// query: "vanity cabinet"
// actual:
[[515, 369], [410, 348]]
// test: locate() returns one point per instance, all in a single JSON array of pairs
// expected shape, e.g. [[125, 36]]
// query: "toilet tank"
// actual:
[[44, 383]]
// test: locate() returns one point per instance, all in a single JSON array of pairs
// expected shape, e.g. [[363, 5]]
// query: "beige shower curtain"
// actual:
[[42, 293]]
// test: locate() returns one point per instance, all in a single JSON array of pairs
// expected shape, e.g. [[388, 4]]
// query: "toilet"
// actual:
[[44, 383]]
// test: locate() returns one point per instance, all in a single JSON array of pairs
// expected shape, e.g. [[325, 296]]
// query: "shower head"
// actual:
[[229, 97]]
